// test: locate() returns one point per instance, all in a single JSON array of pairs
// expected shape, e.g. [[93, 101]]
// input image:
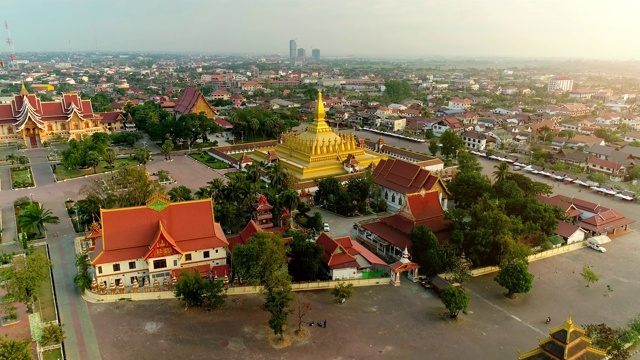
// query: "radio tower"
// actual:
[[12, 50]]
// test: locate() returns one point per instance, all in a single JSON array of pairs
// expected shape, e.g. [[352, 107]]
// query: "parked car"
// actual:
[[597, 247], [325, 227]]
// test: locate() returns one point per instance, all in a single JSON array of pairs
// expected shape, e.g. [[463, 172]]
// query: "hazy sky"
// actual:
[[385, 28]]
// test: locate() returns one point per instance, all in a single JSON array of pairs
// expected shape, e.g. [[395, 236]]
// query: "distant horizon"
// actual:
[[570, 29]]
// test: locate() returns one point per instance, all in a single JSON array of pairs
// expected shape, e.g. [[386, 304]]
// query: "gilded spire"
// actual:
[[319, 112], [24, 92]]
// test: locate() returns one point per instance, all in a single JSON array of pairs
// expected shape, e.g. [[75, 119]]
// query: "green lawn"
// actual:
[[45, 304], [55, 354], [64, 174], [21, 177], [210, 161]]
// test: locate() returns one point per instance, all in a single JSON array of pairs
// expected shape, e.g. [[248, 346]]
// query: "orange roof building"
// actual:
[[397, 178], [346, 258], [30, 121], [389, 235], [159, 240], [566, 341]]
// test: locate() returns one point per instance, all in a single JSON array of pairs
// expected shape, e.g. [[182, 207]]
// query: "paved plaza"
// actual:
[[383, 321]]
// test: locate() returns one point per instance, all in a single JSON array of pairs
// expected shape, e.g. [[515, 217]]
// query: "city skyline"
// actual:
[[378, 28]]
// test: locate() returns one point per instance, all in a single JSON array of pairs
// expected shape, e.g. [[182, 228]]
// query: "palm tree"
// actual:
[[253, 171], [203, 192], [217, 187], [34, 217], [278, 176], [502, 171], [12, 158], [290, 199]]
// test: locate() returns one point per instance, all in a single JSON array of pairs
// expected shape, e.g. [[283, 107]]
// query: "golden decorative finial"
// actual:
[[23, 91], [319, 113]]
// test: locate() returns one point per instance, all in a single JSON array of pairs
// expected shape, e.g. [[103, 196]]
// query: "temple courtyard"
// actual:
[[388, 322]]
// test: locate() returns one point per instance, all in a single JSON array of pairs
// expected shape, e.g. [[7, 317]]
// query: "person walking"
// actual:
[[325, 324]]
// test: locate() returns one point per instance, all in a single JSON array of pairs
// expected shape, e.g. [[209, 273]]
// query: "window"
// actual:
[[206, 254], [216, 251], [63, 126], [99, 269], [160, 264], [49, 127], [10, 130], [116, 267], [187, 257], [132, 279], [175, 263], [132, 265]]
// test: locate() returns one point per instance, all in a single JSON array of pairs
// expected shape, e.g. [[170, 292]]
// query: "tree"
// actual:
[[634, 172], [110, 157], [397, 90], [34, 217], [468, 187], [604, 337], [342, 291], [460, 271], [426, 251], [23, 279], [262, 256], [589, 276], [190, 288], [214, 294], [434, 146], [278, 296], [455, 299], [468, 163], [302, 309], [278, 176], [142, 155], [180, 193], [15, 349], [83, 277], [600, 178], [128, 186], [450, 144], [166, 149], [502, 171], [515, 277], [290, 199], [11, 158], [305, 258], [93, 160], [51, 335]]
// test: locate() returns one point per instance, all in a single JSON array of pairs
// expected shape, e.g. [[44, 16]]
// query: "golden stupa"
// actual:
[[321, 151]]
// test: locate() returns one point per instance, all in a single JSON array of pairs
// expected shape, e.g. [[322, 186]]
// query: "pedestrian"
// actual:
[[325, 324]]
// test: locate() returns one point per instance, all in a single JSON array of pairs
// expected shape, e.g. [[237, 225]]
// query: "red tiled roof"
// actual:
[[245, 234], [581, 204], [128, 233], [223, 123], [567, 207], [403, 177], [565, 229], [111, 117], [48, 110], [188, 100], [605, 221], [605, 163]]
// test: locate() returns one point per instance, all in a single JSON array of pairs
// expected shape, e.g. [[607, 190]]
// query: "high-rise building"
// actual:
[[292, 49], [562, 83], [302, 53], [315, 53]]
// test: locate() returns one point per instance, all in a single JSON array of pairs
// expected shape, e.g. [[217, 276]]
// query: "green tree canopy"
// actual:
[[427, 252], [35, 217], [515, 277], [450, 144], [397, 90], [305, 262], [23, 279], [262, 256], [455, 299]]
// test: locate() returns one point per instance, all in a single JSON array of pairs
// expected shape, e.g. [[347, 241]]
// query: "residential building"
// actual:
[[474, 140], [574, 110], [397, 179], [447, 123], [632, 136], [560, 83], [457, 103], [614, 170], [157, 241]]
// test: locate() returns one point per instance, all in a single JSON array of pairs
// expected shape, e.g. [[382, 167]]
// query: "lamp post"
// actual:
[[31, 196]]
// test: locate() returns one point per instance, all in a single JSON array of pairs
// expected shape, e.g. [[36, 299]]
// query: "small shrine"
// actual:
[[404, 264], [566, 341], [262, 213]]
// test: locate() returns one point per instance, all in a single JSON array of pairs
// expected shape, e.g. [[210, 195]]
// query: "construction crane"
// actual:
[[12, 50]]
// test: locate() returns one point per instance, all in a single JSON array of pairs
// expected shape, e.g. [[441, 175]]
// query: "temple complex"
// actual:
[[320, 151], [30, 121], [566, 341]]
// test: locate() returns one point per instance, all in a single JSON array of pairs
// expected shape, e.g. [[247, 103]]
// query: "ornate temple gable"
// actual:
[[263, 204], [163, 245], [27, 112]]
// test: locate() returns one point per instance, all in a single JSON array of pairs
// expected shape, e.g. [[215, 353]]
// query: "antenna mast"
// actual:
[[12, 50]]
